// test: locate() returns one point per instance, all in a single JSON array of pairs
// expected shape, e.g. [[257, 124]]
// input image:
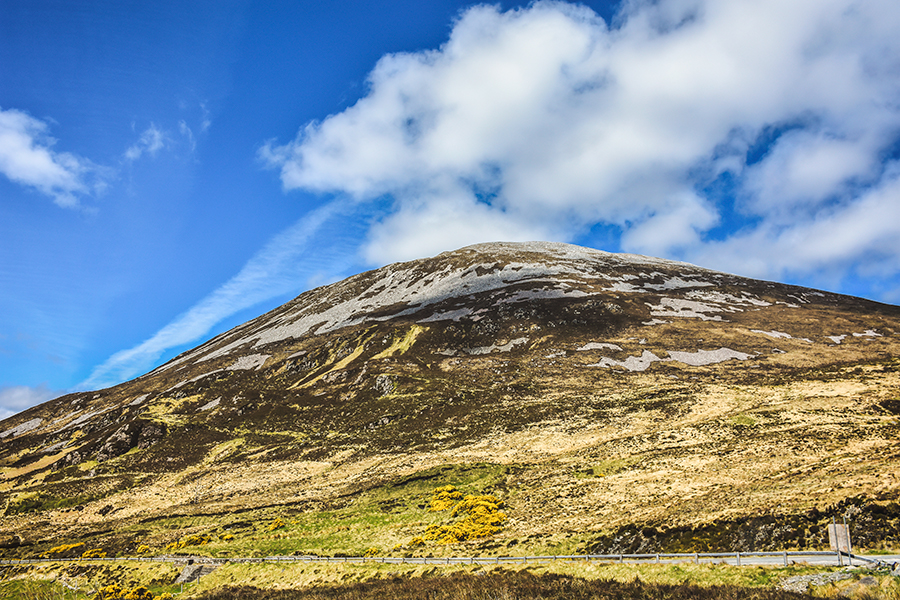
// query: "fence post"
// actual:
[[657, 559], [785, 558], [849, 543], [621, 559], [738, 559], [696, 558]]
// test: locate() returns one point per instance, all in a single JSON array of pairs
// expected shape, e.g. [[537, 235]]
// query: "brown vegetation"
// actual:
[[517, 585]]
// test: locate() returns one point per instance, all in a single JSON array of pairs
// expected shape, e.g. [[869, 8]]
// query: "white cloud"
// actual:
[[321, 244], [27, 157], [864, 230], [676, 226], [545, 121], [152, 140], [434, 225], [206, 119], [187, 134], [17, 398]]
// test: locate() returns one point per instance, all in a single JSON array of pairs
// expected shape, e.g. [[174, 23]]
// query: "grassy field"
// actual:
[[310, 581]]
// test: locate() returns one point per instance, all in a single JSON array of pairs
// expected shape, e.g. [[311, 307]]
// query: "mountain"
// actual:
[[611, 402]]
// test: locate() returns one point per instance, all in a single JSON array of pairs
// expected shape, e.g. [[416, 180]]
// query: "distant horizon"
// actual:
[[170, 171]]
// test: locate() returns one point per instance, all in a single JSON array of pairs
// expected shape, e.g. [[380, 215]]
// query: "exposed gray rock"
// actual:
[[802, 583], [384, 385], [194, 572]]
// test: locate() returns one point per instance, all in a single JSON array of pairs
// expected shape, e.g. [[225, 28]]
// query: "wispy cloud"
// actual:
[[27, 158], [544, 121], [321, 245], [187, 134], [206, 118], [17, 398], [151, 141]]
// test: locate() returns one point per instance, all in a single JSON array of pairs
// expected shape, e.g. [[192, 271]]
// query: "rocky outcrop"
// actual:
[[137, 434]]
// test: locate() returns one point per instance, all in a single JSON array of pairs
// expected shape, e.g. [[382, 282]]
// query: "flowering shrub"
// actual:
[[197, 539], [226, 537], [481, 517], [276, 524], [372, 552], [117, 592], [62, 549], [143, 548], [95, 553], [444, 498]]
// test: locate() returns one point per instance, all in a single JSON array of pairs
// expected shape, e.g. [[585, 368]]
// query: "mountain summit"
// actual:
[[611, 401]]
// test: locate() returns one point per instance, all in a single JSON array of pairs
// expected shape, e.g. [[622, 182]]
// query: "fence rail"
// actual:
[[696, 557]]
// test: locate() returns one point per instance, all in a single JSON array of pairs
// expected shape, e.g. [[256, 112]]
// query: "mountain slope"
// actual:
[[611, 400]]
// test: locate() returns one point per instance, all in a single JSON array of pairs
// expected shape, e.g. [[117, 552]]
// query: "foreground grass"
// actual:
[[339, 581], [504, 585]]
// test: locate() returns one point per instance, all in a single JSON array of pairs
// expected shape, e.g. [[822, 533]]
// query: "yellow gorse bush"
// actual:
[[61, 549], [117, 592], [444, 498], [143, 548], [481, 516], [276, 524], [197, 539], [478, 505], [95, 553]]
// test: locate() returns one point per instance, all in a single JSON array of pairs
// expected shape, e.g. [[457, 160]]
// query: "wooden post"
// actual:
[[839, 540], [785, 558], [849, 543]]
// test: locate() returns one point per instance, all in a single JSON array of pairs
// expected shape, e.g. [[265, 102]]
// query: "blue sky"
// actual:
[[169, 170]]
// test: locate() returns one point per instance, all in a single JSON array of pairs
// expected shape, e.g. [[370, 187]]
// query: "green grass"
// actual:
[[743, 420], [343, 578], [42, 501], [35, 589], [382, 517]]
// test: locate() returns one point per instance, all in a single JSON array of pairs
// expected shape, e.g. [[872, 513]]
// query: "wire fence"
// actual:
[[737, 558]]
